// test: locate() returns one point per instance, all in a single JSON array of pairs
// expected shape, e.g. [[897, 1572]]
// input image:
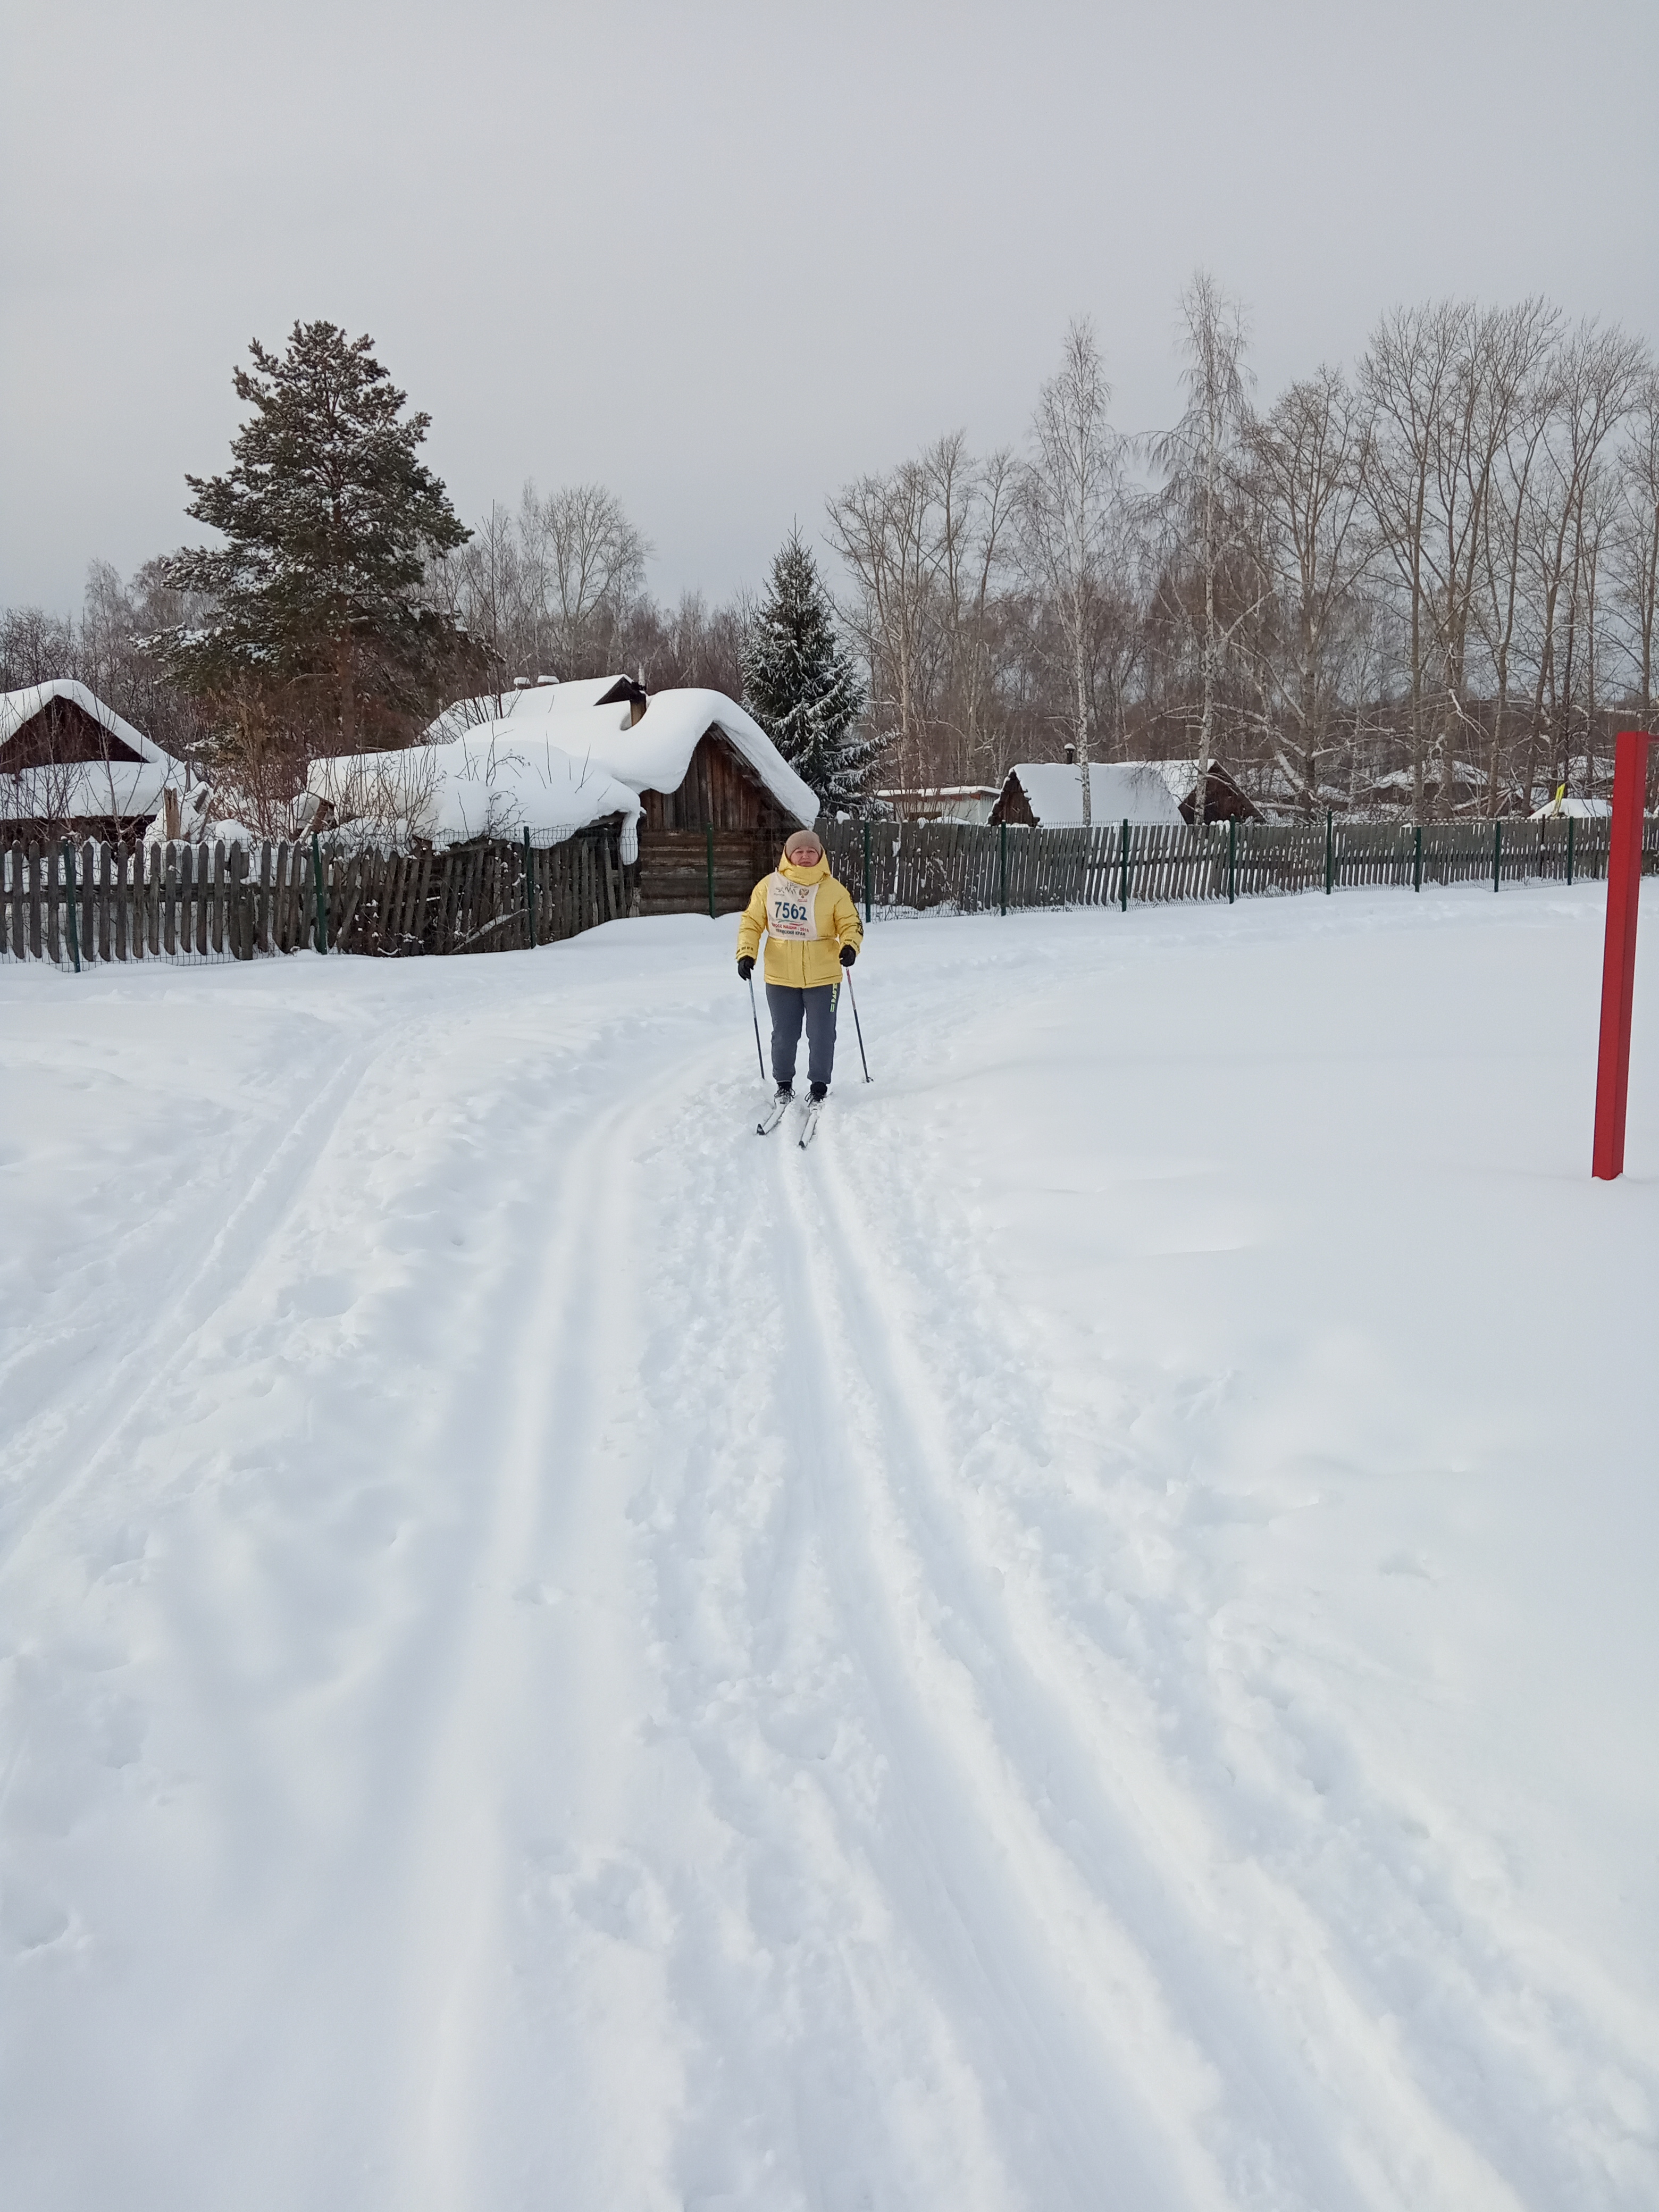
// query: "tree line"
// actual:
[[1426, 585]]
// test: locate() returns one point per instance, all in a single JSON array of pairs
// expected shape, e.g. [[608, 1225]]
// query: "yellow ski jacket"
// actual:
[[805, 917]]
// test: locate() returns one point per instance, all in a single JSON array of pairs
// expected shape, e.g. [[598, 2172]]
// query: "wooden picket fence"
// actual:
[[99, 902], [922, 865]]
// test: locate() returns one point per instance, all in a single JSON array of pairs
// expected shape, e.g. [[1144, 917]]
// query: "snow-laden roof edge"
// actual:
[[655, 752], [17, 707], [494, 783], [527, 703], [650, 754]]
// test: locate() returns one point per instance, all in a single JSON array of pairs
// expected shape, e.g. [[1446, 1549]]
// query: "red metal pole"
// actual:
[[1629, 785]]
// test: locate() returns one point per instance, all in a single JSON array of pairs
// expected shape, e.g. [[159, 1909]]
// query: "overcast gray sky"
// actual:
[[724, 257]]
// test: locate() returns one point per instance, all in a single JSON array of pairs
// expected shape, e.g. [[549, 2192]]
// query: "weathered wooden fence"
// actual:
[[701, 870], [78, 903], [974, 870]]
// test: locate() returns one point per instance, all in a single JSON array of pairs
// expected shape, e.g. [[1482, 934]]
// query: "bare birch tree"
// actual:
[[1308, 458], [1635, 548], [924, 547], [1070, 489], [1201, 461], [1600, 374]]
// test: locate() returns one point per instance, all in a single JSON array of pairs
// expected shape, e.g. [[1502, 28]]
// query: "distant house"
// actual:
[[1224, 800], [72, 765], [1049, 794], [1394, 793], [941, 802]]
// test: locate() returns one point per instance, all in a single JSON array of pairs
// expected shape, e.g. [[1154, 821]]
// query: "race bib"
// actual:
[[791, 909]]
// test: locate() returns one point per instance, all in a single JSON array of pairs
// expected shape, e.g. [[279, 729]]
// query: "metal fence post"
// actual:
[[711, 872], [72, 894], [1232, 856], [1330, 818], [1002, 866], [322, 894], [529, 888], [1123, 869], [1497, 852], [866, 872], [1417, 858], [1569, 823]]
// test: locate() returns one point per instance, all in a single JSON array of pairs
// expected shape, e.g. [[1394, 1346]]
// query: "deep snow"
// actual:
[[1089, 1642]]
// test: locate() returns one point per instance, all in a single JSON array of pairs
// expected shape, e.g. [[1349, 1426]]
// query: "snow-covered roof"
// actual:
[[17, 707], [82, 790], [1580, 810], [493, 782], [527, 703], [654, 753], [650, 754], [1118, 790]]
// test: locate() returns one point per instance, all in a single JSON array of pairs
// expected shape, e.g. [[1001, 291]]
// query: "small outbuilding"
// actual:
[[941, 802], [1049, 794], [71, 765]]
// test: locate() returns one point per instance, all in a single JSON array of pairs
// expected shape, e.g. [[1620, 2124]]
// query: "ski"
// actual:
[[809, 1127], [774, 1114]]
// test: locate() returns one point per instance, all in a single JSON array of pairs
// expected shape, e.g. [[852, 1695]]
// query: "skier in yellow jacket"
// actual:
[[812, 931]]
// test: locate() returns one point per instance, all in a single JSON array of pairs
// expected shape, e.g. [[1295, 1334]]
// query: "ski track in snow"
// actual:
[[559, 1653]]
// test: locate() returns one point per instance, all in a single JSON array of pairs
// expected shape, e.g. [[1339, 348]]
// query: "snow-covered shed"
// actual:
[[1223, 798], [941, 802], [68, 759], [1049, 794]]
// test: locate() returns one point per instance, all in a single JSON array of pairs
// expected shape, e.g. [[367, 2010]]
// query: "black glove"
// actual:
[[849, 953], [746, 967]]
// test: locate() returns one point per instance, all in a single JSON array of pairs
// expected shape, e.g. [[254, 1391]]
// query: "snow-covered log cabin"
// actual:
[[685, 775], [70, 766], [697, 760]]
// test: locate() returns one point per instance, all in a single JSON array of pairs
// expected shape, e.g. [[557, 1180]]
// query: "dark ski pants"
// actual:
[[788, 1008]]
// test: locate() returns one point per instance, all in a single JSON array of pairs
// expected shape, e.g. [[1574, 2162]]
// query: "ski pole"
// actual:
[[755, 1012], [846, 978]]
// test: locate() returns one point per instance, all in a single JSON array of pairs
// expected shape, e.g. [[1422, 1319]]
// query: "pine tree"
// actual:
[[328, 520], [802, 686]]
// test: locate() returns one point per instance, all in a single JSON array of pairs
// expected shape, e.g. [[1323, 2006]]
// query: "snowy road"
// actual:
[[1089, 1642]]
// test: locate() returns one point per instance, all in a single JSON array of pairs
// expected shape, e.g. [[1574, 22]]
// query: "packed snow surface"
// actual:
[[1088, 1643]]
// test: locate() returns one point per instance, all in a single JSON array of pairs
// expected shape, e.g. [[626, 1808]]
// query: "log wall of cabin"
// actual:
[[719, 790]]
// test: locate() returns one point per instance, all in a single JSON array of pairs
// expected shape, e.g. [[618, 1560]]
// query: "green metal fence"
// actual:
[[962, 867]]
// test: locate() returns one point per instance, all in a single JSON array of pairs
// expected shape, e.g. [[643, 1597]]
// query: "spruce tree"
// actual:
[[802, 686], [328, 520]]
